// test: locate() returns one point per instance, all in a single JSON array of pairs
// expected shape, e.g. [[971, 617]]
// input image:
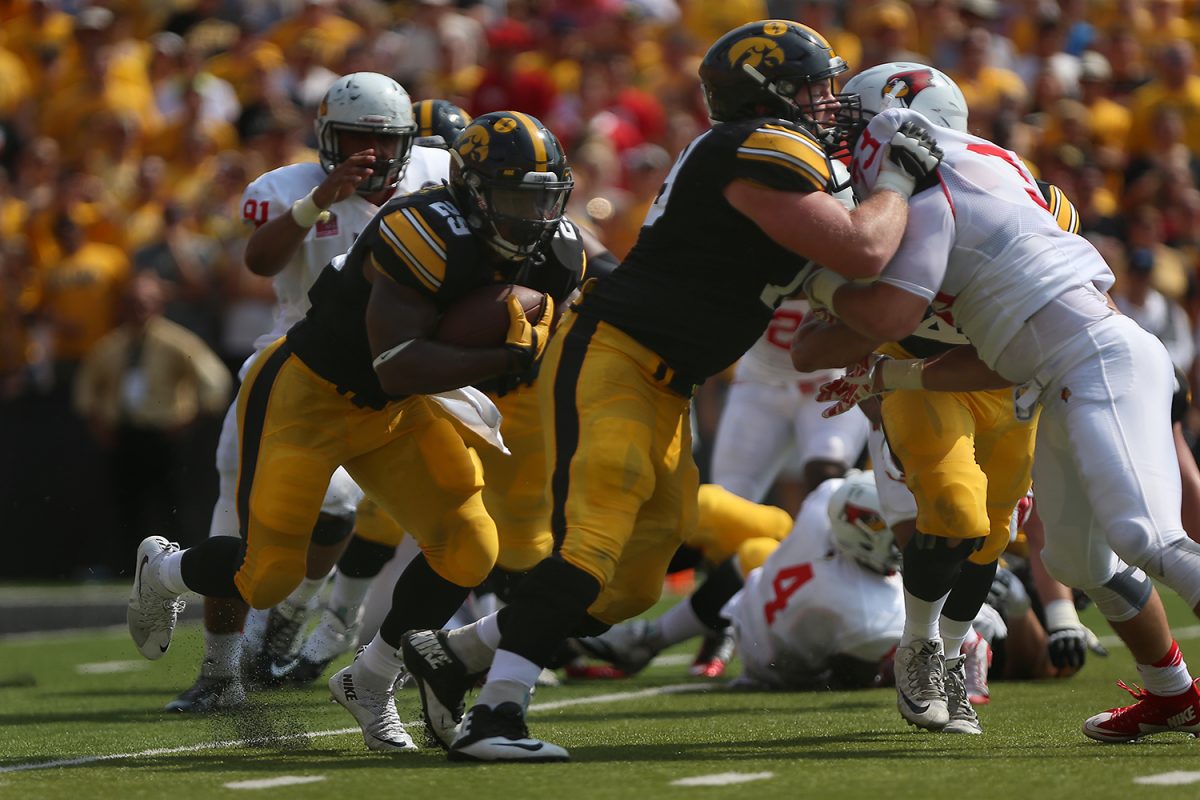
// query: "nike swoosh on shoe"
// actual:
[[533, 748], [140, 572], [912, 706]]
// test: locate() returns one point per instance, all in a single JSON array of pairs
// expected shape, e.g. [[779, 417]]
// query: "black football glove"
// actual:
[[1068, 647], [912, 161]]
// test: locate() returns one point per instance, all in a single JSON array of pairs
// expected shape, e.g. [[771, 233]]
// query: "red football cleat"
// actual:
[[715, 654], [1150, 714]]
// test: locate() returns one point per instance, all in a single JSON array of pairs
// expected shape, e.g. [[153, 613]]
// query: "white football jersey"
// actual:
[[981, 248], [808, 602], [271, 195], [769, 360]]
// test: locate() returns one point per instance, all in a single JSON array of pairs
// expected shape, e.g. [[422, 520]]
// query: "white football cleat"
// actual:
[[375, 711], [500, 734], [962, 714], [626, 646], [920, 692], [153, 609], [979, 660], [332, 637]]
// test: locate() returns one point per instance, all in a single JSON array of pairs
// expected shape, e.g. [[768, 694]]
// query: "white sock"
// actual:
[[170, 573], [1167, 677], [378, 666], [510, 680], [222, 654], [679, 624], [921, 618], [476, 644], [349, 593], [306, 591], [954, 633]]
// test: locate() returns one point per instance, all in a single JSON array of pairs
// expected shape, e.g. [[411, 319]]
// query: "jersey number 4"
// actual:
[[786, 584]]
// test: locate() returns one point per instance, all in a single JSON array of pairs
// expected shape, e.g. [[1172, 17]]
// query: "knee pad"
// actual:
[[269, 574], [331, 530], [468, 551], [1123, 595], [952, 508], [1177, 565], [754, 553]]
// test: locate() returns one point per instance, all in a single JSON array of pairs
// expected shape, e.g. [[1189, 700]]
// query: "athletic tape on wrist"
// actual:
[[893, 180], [306, 212], [1061, 614], [823, 285], [902, 373]]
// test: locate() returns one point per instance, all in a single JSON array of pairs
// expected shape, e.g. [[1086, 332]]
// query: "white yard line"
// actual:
[[108, 667], [615, 697], [1169, 779], [1185, 632], [723, 779], [271, 783]]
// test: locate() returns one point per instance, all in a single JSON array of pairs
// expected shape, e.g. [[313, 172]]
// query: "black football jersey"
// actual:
[[702, 281], [421, 241]]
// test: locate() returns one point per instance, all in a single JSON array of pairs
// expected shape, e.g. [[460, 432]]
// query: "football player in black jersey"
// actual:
[[731, 233], [351, 385]]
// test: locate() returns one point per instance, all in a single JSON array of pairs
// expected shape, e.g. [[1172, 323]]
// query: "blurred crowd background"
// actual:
[[129, 128]]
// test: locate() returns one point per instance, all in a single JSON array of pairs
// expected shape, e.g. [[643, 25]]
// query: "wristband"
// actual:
[[895, 181], [901, 373], [1060, 614], [306, 212], [822, 286]]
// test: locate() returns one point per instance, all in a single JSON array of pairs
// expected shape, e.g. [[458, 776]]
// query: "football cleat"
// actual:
[[978, 655], [626, 646], [716, 651], [153, 610], [500, 734], [1149, 715], [209, 694], [282, 638], [962, 714], [920, 692], [442, 680], [582, 670], [375, 711], [332, 637]]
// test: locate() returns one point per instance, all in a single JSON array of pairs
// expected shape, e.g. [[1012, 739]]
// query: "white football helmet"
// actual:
[[859, 531], [906, 84], [371, 103]]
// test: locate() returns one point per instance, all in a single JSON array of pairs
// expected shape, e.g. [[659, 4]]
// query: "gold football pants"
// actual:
[[967, 460], [295, 429], [726, 521], [619, 451]]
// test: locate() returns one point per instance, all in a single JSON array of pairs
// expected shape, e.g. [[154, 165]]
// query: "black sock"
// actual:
[[547, 607], [721, 584], [364, 559], [970, 591], [209, 567], [421, 599], [932, 565]]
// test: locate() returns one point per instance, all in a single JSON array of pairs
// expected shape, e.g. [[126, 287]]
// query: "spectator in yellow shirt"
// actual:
[[1175, 86]]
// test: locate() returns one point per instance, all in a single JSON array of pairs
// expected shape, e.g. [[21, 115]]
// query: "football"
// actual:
[[480, 319]]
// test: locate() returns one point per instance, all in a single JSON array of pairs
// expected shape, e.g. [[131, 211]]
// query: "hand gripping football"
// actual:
[[480, 319]]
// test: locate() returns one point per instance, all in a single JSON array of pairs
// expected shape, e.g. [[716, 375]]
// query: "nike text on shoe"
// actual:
[[499, 734], [920, 693], [208, 695], [962, 715], [152, 610], [374, 710], [442, 680], [625, 646], [1149, 715]]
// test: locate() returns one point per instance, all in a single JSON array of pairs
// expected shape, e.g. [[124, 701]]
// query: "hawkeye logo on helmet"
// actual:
[[505, 125], [904, 86], [756, 51], [474, 143]]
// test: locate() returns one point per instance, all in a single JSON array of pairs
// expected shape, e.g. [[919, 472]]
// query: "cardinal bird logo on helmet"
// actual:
[[904, 86]]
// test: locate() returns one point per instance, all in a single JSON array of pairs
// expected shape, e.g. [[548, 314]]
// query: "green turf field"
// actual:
[[98, 724]]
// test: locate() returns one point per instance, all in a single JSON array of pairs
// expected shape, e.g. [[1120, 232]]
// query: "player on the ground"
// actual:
[[751, 192], [303, 216], [1031, 298], [362, 382]]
